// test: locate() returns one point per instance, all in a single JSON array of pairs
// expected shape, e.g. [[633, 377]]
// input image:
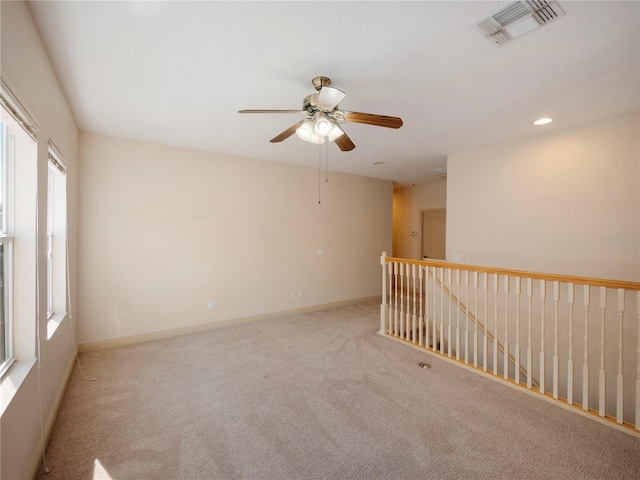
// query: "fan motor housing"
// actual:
[[310, 104]]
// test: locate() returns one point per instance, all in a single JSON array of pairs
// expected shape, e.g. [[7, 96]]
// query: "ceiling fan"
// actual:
[[324, 117]]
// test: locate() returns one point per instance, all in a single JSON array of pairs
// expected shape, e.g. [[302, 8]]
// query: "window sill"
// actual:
[[12, 381], [54, 322]]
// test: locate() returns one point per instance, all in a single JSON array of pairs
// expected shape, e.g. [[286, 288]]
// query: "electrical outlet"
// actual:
[[320, 252], [210, 305], [293, 294]]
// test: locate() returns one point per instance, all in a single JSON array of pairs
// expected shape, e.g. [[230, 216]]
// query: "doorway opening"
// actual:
[[433, 231]]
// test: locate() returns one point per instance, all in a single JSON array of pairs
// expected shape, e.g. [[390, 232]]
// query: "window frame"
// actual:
[[57, 251], [19, 235], [6, 236], [50, 214]]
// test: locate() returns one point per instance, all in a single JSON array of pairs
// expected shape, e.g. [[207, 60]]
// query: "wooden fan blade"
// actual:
[[344, 143], [287, 133], [373, 119], [272, 111]]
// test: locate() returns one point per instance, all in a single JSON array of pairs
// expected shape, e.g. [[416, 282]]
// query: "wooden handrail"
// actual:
[[552, 277]]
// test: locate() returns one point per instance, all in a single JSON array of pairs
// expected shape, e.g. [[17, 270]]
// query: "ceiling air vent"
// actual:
[[518, 18]]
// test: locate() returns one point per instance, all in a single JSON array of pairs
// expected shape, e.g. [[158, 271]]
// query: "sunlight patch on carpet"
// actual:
[[99, 472]]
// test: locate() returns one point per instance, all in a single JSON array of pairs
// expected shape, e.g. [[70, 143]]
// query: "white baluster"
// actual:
[[458, 317], [409, 302], [570, 298], [620, 378], [434, 337], [505, 354], [529, 337], [414, 317], [449, 337], [486, 320], [404, 300], [496, 287], [383, 305], [466, 325], [556, 301], [407, 298], [543, 297], [401, 319], [517, 347], [602, 384], [403, 295], [426, 308], [421, 317], [441, 310], [396, 313], [475, 309], [390, 316], [585, 365], [638, 364]]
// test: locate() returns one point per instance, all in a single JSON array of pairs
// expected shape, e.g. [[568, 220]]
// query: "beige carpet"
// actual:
[[317, 396]]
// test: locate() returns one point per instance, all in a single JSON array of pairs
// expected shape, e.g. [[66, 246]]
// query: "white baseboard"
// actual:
[[147, 337]]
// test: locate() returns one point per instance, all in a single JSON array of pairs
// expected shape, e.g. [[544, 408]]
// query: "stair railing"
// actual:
[[499, 320]]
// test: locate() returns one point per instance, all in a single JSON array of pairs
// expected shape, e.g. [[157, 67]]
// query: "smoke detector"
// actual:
[[517, 19]]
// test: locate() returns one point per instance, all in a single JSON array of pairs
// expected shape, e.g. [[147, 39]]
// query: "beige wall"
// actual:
[[561, 202], [164, 230], [408, 202], [25, 66]]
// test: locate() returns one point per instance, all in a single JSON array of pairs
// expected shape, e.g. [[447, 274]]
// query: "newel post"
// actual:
[[383, 304]]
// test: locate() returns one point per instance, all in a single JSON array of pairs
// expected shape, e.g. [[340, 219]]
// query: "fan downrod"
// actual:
[[319, 82]]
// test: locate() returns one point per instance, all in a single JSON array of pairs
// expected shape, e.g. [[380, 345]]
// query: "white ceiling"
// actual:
[[177, 73]]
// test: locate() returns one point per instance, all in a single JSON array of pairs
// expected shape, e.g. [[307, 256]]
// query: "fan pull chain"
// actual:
[[326, 161], [319, 171], [326, 167]]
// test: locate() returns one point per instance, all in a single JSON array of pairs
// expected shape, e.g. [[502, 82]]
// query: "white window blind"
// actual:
[[16, 110], [56, 159]]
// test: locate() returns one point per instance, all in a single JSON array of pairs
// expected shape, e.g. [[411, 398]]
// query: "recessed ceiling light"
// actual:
[[543, 121]]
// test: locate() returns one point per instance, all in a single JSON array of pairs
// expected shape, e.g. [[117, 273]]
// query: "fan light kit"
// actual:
[[319, 128], [323, 124]]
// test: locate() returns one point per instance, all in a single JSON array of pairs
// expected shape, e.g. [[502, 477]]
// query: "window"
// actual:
[[56, 240], [6, 345], [18, 241]]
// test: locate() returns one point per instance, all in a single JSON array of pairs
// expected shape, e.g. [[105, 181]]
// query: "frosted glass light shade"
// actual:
[[305, 132], [317, 139], [322, 126]]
